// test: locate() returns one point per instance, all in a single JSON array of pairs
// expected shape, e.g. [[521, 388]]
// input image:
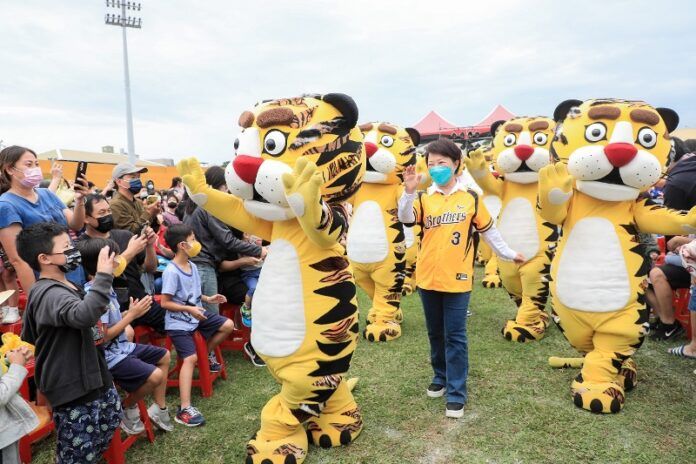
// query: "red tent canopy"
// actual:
[[499, 113], [432, 123]]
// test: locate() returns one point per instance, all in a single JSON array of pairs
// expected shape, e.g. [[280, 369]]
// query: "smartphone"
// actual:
[[81, 170], [143, 226]]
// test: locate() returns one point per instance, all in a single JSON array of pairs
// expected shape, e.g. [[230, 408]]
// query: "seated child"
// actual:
[[138, 369], [16, 416], [181, 297], [59, 319]]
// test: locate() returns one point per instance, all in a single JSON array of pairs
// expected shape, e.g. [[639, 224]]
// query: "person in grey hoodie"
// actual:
[[16, 416], [63, 325]]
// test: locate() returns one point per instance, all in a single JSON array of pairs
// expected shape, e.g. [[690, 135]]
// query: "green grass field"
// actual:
[[519, 409]]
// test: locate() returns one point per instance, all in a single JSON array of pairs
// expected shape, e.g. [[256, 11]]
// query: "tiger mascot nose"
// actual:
[[524, 152], [620, 154], [247, 167], [370, 149]]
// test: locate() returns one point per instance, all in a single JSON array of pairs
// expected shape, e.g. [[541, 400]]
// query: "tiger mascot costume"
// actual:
[[608, 152], [520, 149], [296, 160], [485, 255], [376, 244]]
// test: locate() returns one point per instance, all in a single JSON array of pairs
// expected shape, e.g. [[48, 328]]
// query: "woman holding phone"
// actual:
[[22, 204], [448, 213]]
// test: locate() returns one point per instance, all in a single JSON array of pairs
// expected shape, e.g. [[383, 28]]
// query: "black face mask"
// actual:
[[106, 223], [73, 259], [172, 205]]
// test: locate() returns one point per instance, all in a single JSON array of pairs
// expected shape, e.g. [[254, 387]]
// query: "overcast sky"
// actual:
[[195, 66]]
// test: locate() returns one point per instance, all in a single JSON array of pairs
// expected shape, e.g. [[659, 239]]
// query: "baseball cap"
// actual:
[[123, 169]]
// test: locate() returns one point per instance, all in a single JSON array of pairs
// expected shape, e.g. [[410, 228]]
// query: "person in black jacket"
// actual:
[[62, 322]]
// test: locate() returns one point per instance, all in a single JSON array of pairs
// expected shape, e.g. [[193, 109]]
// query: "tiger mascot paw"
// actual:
[[399, 316], [598, 398], [382, 331], [288, 450], [491, 281], [335, 429], [524, 333], [406, 289], [628, 375], [480, 260]]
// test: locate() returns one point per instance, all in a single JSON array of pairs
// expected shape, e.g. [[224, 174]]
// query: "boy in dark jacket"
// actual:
[[62, 322]]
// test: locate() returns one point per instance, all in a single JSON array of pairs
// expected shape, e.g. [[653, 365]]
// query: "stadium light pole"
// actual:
[[124, 21]]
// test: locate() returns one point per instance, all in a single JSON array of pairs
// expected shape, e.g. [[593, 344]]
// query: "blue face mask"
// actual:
[[441, 174], [135, 186]]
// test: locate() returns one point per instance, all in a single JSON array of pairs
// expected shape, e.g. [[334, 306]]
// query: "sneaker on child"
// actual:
[[190, 417], [160, 417], [131, 423], [10, 315], [246, 315], [213, 362], [253, 356]]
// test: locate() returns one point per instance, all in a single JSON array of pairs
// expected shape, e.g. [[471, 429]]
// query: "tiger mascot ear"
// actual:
[[495, 126], [414, 134], [346, 105], [561, 111], [670, 117]]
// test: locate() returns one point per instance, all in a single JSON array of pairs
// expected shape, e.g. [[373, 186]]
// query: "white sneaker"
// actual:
[[131, 423], [10, 315], [435, 390], [160, 417], [454, 410]]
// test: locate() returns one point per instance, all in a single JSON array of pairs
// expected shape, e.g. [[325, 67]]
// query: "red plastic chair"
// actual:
[[42, 411], [662, 245], [205, 377], [149, 336], [240, 335], [116, 453], [680, 303]]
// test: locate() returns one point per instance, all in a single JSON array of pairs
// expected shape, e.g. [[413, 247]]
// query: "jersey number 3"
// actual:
[[455, 238]]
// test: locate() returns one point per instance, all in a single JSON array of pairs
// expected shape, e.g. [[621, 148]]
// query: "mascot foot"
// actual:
[[382, 331], [524, 333], [597, 397], [335, 429], [491, 281], [628, 375], [288, 450]]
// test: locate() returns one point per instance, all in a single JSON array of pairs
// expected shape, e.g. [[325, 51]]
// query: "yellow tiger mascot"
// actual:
[[376, 244], [491, 279], [608, 151], [296, 160], [520, 149]]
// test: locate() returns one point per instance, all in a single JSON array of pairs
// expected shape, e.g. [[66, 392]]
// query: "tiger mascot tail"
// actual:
[[296, 161]]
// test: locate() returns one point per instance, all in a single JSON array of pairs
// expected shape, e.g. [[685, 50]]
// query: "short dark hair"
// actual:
[[175, 181], [8, 157], [37, 239], [90, 248], [176, 234], [90, 200], [446, 148]]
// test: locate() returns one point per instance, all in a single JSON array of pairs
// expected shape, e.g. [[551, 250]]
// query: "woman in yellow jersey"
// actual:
[[449, 214]]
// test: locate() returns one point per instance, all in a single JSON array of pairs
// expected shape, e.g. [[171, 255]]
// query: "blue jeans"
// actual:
[[209, 285], [445, 318]]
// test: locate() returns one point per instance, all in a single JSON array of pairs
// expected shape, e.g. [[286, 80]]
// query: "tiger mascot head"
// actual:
[[276, 133], [613, 148], [520, 147], [389, 149]]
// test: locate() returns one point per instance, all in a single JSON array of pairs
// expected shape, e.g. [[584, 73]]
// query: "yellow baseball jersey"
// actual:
[[446, 257]]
